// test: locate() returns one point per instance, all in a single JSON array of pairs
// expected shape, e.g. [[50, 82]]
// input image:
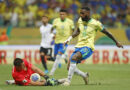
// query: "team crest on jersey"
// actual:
[[62, 27], [85, 27]]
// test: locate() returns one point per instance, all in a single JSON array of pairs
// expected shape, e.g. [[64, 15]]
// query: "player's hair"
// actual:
[[18, 61], [86, 8], [63, 10], [44, 16]]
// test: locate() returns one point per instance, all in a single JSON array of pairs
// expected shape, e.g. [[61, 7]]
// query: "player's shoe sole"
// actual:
[[86, 79]]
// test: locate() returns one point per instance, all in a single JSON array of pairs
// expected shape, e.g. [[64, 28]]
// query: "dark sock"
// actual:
[[44, 62]]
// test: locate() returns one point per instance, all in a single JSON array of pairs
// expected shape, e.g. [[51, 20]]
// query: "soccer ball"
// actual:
[[35, 77]]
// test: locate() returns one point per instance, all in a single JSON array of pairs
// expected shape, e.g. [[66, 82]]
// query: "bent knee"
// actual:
[[75, 58]]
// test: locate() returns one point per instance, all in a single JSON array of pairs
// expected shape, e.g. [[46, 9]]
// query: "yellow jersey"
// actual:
[[63, 29], [88, 32]]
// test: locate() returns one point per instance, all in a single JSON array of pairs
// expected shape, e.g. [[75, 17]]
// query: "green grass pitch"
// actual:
[[102, 77]]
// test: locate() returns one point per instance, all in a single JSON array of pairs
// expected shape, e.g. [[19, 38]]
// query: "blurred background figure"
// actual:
[[26, 13], [46, 46], [3, 38]]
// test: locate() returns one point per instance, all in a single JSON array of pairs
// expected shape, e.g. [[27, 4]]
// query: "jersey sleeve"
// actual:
[[27, 64], [21, 80], [100, 27]]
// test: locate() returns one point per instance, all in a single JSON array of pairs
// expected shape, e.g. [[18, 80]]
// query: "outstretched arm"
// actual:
[[39, 83], [74, 34], [111, 36], [39, 71]]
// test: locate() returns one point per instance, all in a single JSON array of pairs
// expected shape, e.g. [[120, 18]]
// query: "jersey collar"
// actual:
[[88, 21], [63, 20]]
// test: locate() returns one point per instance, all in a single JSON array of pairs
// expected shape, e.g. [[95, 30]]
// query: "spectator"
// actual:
[[14, 18], [3, 38], [111, 9]]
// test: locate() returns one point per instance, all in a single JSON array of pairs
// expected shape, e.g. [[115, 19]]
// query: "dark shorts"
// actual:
[[47, 51]]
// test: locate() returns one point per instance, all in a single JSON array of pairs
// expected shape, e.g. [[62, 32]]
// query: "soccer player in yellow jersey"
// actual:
[[87, 29], [64, 28]]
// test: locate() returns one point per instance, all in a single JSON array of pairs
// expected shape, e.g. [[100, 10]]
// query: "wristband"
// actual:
[[69, 39]]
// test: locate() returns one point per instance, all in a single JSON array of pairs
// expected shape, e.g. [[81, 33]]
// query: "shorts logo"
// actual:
[[84, 50]]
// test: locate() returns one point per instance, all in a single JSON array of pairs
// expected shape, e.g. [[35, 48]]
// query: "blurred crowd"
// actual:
[[28, 13]]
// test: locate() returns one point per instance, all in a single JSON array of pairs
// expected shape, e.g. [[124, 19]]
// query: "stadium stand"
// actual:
[[27, 13]]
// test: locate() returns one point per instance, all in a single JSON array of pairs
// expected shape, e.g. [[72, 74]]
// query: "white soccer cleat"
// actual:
[[61, 81], [10, 82], [66, 83], [51, 74], [86, 79]]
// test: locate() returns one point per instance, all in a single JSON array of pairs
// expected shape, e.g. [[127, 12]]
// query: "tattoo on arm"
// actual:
[[76, 33]]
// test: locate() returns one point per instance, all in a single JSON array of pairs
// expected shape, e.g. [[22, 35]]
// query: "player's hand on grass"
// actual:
[[119, 45]]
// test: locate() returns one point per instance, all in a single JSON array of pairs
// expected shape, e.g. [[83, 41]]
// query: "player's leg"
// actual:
[[72, 65], [63, 50], [82, 74], [64, 56], [49, 57], [76, 57], [73, 61], [56, 63], [43, 52], [56, 48], [86, 52], [58, 58]]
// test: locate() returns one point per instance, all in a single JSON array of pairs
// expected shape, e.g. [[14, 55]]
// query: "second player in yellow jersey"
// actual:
[[63, 29]]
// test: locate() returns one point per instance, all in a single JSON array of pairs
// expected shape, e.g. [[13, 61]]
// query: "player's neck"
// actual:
[[45, 24], [62, 20], [87, 19]]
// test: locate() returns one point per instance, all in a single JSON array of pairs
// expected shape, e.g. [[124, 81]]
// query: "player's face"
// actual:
[[21, 67], [84, 14], [44, 20], [63, 15]]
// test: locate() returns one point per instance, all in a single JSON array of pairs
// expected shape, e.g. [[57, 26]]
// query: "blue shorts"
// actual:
[[85, 51], [59, 48]]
